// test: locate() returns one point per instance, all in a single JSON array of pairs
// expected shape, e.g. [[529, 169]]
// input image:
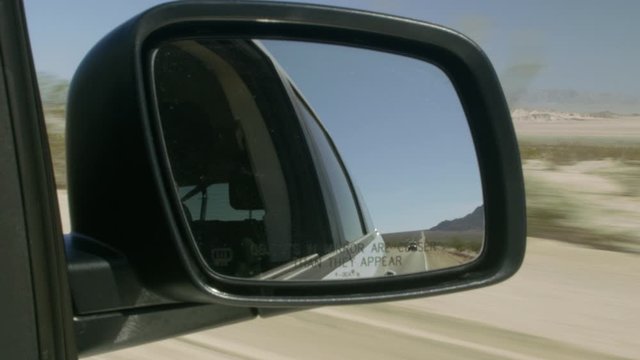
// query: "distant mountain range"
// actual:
[[573, 100], [472, 221]]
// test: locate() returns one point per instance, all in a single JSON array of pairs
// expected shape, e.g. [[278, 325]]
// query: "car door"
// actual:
[[35, 307]]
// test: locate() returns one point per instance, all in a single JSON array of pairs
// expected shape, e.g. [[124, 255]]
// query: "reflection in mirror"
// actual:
[[307, 161]]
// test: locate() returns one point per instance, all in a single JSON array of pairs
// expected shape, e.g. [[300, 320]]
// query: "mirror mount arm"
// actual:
[[107, 296]]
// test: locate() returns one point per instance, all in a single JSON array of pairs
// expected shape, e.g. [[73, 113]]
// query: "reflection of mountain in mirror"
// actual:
[[450, 243], [471, 222]]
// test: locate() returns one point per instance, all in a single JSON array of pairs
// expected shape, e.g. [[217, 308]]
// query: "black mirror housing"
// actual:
[[120, 186]]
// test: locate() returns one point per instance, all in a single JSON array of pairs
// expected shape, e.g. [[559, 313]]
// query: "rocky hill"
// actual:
[[470, 222]]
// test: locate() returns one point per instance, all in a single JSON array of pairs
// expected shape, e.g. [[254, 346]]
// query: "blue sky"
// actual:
[[587, 49], [399, 127]]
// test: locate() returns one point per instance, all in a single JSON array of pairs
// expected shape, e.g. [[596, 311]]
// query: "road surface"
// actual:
[[372, 332], [567, 302]]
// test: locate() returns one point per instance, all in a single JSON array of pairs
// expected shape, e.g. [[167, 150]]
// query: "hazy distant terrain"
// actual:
[[596, 129], [470, 222]]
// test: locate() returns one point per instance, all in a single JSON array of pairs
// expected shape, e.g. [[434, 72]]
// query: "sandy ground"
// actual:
[[567, 302]]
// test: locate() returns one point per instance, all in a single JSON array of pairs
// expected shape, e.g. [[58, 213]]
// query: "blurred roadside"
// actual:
[[582, 177]]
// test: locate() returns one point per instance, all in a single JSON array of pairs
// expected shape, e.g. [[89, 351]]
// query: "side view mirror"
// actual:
[[264, 191], [277, 155]]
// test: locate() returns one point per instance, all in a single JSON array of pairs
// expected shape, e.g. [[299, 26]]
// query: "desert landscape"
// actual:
[[575, 296], [582, 177]]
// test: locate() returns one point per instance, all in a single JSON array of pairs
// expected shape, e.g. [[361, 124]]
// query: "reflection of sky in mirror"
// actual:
[[399, 126]]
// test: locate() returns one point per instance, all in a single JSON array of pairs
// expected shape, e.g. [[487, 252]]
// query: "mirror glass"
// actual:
[[306, 161]]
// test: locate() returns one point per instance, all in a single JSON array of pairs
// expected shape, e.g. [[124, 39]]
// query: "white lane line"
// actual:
[[424, 251]]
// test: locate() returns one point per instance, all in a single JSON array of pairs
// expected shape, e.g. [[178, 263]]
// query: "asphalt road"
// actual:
[[566, 302]]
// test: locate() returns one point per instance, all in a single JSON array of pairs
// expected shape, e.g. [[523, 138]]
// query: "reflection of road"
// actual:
[[404, 261], [439, 259]]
